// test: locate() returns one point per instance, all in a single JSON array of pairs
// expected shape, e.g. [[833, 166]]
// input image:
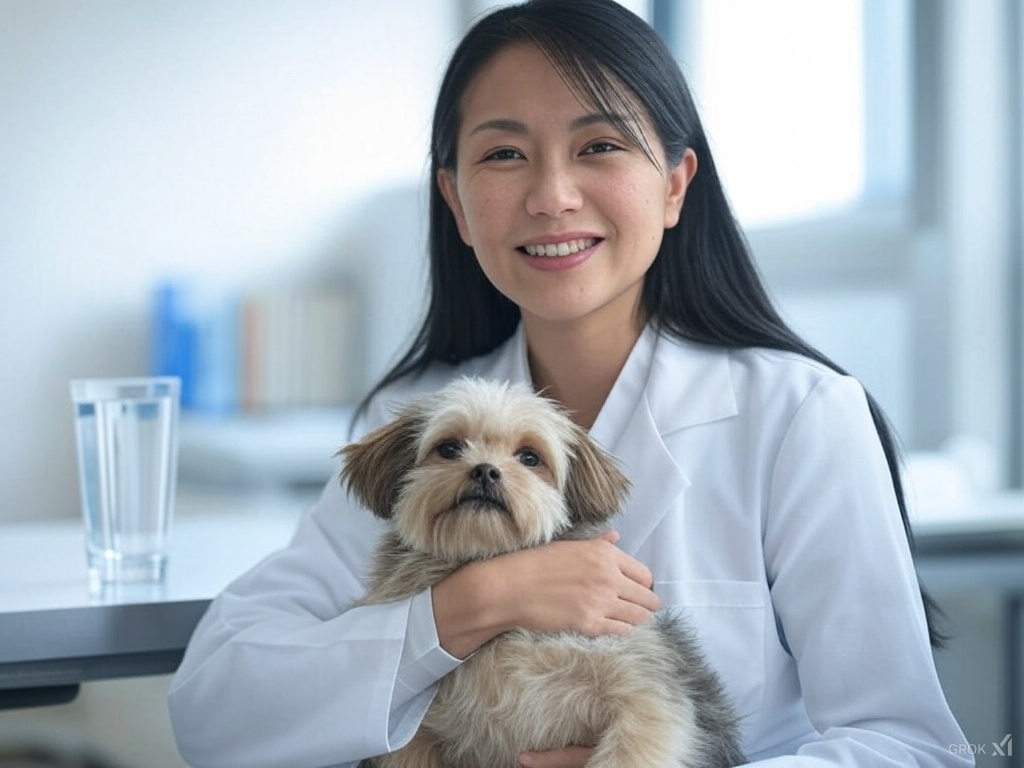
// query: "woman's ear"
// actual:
[[679, 179], [449, 187]]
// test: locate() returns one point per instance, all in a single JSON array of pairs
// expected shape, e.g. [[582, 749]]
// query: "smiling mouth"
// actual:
[[565, 248]]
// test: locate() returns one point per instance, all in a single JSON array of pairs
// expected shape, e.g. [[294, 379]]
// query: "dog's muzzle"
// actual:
[[484, 493]]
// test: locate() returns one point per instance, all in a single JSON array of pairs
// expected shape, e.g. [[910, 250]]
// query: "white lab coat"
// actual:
[[762, 504]]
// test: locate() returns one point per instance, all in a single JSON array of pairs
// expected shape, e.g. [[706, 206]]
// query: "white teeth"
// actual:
[[552, 250]]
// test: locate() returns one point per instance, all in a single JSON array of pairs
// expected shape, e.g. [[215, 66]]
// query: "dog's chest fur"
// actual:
[[526, 690], [529, 691]]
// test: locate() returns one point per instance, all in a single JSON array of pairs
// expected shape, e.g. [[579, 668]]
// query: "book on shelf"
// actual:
[[258, 351]]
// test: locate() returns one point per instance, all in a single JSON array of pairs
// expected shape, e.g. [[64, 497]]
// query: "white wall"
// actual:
[[235, 140]]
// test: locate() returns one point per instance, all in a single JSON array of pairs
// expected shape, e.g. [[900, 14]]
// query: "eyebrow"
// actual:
[[515, 126]]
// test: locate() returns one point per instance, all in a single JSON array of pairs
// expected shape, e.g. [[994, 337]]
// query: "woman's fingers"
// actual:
[[635, 570], [588, 586], [611, 536], [639, 594]]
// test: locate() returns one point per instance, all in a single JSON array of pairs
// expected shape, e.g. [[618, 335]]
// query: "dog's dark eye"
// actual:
[[449, 449], [529, 457]]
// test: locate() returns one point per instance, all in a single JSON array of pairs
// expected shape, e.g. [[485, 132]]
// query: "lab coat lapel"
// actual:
[[667, 385], [684, 385], [657, 480]]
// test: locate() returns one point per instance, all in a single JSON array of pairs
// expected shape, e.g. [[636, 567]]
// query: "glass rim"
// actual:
[[101, 387]]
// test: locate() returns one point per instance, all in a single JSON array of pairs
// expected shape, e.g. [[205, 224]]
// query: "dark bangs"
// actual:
[[596, 89], [611, 63]]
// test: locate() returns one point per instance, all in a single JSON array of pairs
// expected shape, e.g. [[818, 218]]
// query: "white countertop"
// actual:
[[56, 634], [42, 564]]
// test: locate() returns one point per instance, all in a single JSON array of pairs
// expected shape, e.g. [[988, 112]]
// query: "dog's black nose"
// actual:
[[485, 474]]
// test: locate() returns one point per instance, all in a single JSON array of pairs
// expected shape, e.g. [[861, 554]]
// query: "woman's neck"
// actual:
[[578, 366]]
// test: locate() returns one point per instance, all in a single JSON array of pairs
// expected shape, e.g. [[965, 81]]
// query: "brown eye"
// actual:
[[600, 147], [449, 449], [529, 457]]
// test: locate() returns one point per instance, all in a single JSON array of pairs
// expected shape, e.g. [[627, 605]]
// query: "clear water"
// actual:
[[128, 464]]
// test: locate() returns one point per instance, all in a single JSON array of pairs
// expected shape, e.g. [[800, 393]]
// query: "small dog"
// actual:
[[479, 469]]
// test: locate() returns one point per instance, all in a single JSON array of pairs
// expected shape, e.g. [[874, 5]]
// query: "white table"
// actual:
[[55, 635]]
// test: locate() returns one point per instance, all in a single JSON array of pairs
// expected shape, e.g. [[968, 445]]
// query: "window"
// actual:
[[872, 151], [807, 108], [788, 125]]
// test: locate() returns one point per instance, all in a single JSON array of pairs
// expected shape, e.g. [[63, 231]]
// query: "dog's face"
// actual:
[[481, 468]]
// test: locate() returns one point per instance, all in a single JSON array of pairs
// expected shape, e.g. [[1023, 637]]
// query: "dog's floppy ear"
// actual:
[[375, 467], [595, 488]]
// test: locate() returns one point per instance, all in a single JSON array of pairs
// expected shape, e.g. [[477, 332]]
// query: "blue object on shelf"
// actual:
[[195, 337], [174, 340]]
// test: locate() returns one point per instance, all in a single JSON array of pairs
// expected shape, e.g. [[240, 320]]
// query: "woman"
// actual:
[[581, 242]]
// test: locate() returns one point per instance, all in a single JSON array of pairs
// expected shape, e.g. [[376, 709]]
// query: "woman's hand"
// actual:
[[588, 586], [573, 757], [591, 587]]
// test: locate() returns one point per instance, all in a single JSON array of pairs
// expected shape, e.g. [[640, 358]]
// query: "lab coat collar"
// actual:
[[689, 383], [665, 386], [683, 382]]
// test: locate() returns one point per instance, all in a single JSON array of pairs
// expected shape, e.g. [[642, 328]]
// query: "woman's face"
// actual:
[[564, 213]]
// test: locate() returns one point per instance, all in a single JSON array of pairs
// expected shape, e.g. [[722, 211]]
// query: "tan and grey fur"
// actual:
[[479, 469]]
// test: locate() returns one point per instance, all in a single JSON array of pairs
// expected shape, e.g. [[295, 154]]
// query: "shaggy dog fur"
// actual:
[[480, 469]]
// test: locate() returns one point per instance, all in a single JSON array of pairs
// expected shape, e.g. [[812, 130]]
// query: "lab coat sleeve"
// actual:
[[846, 594], [282, 670]]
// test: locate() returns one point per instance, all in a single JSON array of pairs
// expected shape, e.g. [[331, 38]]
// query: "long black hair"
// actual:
[[703, 285]]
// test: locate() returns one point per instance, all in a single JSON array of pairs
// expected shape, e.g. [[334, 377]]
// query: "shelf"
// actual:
[[294, 448]]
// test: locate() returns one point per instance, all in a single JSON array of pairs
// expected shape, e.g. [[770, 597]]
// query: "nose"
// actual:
[[554, 190], [485, 474]]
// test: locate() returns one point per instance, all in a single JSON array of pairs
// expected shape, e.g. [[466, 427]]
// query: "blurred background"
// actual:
[[234, 191]]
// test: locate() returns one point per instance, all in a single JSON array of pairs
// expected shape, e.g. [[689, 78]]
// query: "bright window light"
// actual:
[[781, 89]]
